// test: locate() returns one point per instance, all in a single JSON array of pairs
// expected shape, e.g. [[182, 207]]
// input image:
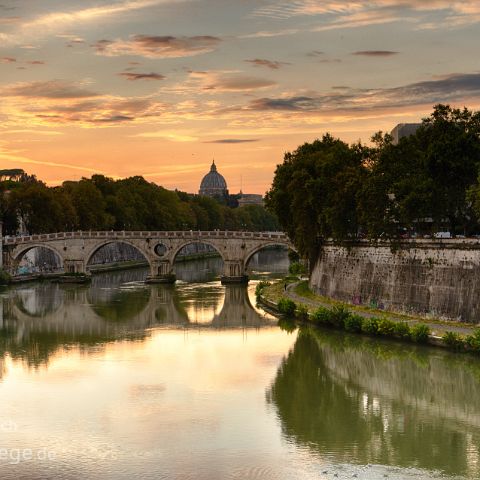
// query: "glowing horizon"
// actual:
[[160, 87]]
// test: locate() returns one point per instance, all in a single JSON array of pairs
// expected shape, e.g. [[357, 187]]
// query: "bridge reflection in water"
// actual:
[[38, 319], [365, 401]]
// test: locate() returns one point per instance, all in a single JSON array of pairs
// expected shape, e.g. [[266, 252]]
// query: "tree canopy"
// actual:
[[427, 182], [101, 203]]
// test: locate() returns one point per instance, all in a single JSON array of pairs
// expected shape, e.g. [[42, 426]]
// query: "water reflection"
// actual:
[[363, 401], [40, 318], [204, 270]]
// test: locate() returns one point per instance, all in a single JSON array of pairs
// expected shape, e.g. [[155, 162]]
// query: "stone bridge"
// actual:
[[75, 249]]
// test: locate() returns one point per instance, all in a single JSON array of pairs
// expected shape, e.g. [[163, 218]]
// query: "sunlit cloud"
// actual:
[[229, 81], [152, 46], [31, 131], [49, 89], [49, 23], [172, 136], [445, 89], [270, 33], [57, 102]]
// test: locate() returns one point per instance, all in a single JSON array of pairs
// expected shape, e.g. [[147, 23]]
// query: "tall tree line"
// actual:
[[101, 203], [427, 182]]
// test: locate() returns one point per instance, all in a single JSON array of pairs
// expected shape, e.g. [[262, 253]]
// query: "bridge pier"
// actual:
[[74, 266], [161, 272], [234, 272]]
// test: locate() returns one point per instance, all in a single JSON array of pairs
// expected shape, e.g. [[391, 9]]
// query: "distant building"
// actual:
[[403, 130], [213, 184], [250, 199]]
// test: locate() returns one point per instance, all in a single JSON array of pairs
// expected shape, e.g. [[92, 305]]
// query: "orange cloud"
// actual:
[[151, 46]]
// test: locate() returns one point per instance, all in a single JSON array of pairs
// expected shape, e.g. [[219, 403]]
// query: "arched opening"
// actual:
[[268, 260], [116, 255], [198, 262], [38, 259]]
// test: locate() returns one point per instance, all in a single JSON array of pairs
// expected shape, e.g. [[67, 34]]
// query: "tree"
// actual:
[[313, 193]]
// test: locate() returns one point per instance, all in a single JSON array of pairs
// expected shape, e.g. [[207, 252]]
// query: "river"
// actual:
[[122, 380]]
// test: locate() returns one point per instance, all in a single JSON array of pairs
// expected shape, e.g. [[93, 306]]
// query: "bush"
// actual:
[[338, 315], [296, 268], [453, 340], [302, 312], [353, 323], [385, 327], [473, 340], [287, 307], [4, 277], [321, 316], [260, 287], [370, 325], [402, 330], [419, 333]]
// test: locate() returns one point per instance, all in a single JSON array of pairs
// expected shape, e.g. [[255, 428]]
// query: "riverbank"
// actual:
[[292, 298]]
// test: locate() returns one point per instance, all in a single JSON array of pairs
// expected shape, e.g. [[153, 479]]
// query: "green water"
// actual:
[[121, 380]]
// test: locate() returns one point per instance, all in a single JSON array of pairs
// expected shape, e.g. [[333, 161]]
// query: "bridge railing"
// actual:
[[118, 234]]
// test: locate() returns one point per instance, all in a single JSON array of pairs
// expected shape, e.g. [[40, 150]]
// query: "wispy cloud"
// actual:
[[59, 102], [48, 24], [375, 53], [351, 14], [262, 62], [152, 46], [449, 88], [229, 81], [56, 89], [233, 140], [9, 20], [14, 159], [141, 76], [177, 136]]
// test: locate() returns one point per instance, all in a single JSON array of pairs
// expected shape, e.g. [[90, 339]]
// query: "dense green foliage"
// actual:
[[427, 182], [340, 317], [261, 287], [101, 203], [287, 307], [296, 268], [4, 277]]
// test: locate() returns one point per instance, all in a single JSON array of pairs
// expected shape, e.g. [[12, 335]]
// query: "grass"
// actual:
[[333, 313], [303, 290]]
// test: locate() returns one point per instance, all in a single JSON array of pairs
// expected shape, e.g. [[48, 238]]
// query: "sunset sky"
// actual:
[[160, 87]]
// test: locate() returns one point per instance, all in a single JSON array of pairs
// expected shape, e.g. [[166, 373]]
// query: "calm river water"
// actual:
[[120, 380]]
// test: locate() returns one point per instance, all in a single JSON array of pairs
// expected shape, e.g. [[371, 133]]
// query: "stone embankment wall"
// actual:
[[434, 278]]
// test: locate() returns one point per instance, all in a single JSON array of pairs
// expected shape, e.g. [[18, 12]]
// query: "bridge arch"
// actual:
[[214, 245], [100, 245], [260, 247], [21, 252]]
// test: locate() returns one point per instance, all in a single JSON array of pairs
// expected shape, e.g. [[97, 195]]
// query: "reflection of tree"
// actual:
[[365, 404]]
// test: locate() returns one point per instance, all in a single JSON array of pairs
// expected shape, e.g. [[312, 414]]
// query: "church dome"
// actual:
[[213, 183]]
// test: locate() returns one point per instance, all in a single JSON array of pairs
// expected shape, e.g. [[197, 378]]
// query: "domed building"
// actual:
[[213, 184]]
